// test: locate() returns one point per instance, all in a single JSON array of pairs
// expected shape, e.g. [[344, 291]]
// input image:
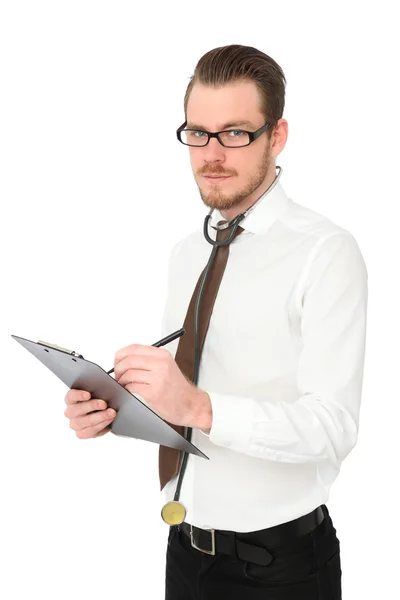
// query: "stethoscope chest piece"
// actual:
[[173, 513]]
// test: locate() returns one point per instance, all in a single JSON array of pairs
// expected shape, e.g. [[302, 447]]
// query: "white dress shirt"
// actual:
[[282, 362]]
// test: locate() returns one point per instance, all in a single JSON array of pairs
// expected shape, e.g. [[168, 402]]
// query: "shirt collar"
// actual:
[[259, 220]]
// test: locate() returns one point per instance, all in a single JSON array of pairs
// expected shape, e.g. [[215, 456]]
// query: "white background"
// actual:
[[95, 190]]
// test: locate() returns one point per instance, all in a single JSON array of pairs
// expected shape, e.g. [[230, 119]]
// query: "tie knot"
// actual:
[[223, 234]]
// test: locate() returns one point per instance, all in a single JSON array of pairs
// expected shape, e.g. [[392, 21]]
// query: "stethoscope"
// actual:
[[175, 510]]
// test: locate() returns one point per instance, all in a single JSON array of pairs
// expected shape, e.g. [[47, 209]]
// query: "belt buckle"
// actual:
[[212, 551]]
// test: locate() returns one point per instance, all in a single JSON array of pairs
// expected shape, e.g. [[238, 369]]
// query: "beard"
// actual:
[[217, 199]]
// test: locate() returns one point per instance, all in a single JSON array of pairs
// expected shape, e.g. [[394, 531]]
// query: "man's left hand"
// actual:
[[152, 373]]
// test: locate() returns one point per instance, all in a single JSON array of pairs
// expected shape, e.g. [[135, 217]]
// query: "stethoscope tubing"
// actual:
[[234, 223]]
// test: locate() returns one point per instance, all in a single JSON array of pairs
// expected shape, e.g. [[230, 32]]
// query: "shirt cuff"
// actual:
[[231, 421], [207, 433]]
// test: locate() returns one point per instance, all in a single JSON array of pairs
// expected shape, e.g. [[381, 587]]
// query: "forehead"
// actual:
[[214, 107]]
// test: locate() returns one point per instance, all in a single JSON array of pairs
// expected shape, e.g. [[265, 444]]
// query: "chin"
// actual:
[[212, 201]]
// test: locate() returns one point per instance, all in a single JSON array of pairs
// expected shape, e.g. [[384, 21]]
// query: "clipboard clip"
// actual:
[[71, 352]]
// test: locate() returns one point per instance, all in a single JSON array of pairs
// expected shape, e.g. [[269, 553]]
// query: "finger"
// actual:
[[103, 431], [74, 396], [83, 408], [138, 388], [94, 431], [136, 350], [91, 420], [135, 376], [139, 361]]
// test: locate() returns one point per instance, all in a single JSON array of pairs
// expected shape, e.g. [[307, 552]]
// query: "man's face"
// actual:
[[211, 109]]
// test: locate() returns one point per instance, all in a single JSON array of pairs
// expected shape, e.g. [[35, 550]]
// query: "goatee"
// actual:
[[217, 199]]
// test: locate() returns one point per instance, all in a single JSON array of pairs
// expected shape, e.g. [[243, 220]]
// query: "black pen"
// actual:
[[164, 341]]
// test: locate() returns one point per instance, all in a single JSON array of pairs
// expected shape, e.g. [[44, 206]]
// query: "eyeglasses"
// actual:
[[232, 138]]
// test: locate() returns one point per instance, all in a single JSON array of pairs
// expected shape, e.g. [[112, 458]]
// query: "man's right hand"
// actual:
[[85, 422]]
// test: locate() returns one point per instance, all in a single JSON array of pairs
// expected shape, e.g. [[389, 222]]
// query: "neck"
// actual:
[[231, 213]]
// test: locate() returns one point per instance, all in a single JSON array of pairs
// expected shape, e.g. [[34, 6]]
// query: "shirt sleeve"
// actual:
[[322, 423]]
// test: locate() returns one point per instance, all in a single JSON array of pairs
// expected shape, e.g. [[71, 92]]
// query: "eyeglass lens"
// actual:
[[233, 138]]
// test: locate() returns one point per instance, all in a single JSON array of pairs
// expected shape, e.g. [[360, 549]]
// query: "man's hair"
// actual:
[[228, 64]]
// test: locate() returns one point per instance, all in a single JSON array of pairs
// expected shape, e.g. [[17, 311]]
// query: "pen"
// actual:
[[164, 341]]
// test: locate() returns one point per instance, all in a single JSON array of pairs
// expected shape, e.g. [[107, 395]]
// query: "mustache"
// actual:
[[215, 172]]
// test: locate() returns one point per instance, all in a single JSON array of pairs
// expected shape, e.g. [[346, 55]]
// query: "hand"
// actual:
[[87, 424], [152, 373]]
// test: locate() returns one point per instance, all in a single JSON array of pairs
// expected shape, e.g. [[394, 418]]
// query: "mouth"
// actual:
[[216, 178]]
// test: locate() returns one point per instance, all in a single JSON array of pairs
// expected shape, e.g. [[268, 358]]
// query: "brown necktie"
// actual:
[[169, 458]]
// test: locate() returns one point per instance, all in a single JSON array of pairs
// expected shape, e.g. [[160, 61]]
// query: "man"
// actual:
[[276, 408]]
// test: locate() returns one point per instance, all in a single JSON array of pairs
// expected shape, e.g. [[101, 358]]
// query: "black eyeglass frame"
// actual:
[[253, 135]]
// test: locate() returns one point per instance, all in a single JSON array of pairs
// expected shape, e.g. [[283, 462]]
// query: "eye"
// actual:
[[238, 131], [201, 133]]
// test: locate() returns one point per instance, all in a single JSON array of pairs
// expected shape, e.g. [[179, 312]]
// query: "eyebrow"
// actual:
[[221, 127]]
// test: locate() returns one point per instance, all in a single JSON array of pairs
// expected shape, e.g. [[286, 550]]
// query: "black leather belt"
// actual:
[[251, 546]]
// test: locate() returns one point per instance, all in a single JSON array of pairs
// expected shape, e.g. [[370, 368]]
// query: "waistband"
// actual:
[[252, 546]]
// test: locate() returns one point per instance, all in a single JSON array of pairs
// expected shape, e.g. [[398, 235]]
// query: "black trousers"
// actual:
[[308, 568]]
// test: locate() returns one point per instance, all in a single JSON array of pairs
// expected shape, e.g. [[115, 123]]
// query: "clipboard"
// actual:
[[134, 419]]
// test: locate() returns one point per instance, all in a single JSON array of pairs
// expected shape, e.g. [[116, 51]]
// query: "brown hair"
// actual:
[[228, 64]]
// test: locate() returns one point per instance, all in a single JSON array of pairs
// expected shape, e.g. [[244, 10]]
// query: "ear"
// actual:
[[279, 137]]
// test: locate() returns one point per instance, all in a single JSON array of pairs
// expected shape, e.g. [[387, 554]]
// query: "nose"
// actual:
[[214, 151]]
